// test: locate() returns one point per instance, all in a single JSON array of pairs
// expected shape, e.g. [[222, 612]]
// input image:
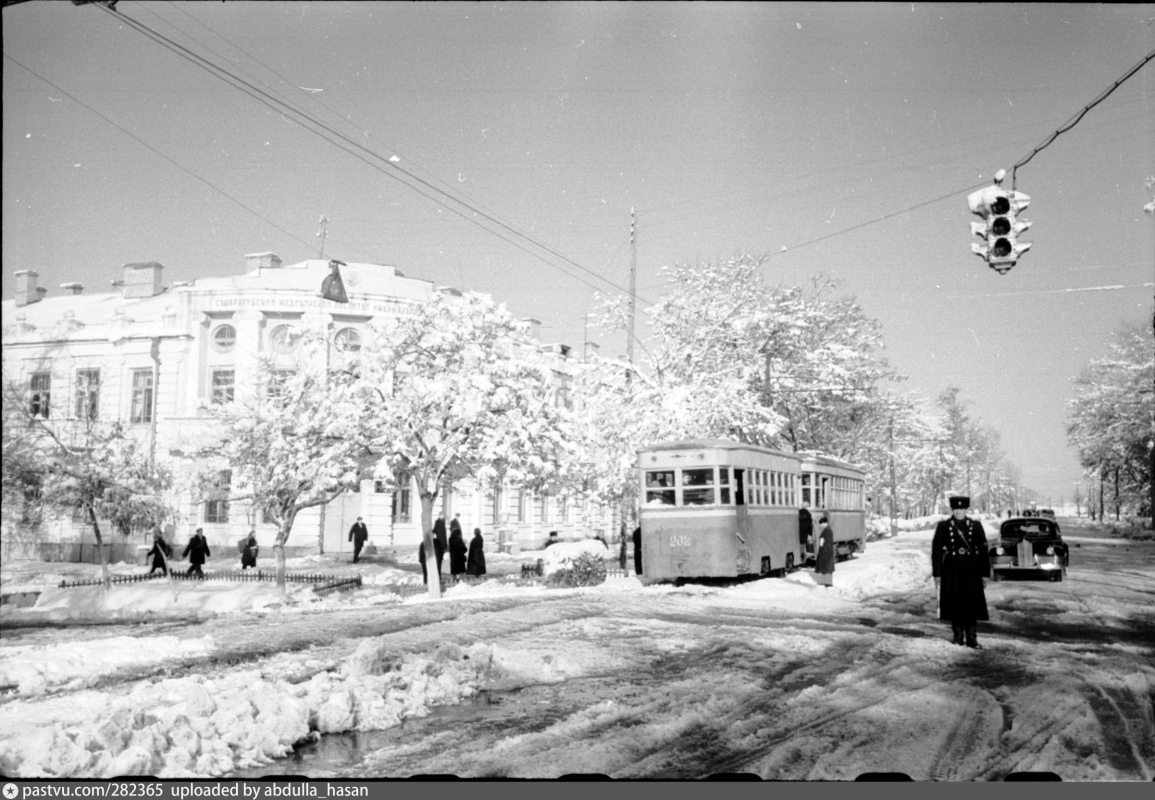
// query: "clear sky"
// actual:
[[728, 127]]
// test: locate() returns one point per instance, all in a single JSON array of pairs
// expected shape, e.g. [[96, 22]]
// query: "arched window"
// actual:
[[224, 338], [347, 340], [284, 339]]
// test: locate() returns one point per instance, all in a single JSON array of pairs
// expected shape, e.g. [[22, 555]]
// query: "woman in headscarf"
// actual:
[[457, 554], [824, 563]]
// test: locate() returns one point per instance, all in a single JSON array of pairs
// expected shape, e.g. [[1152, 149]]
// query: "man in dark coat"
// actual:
[[160, 552], [358, 534], [824, 553], [638, 551], [476, 563], [440, 544], [961, 567], [457, 554], [197, 551]]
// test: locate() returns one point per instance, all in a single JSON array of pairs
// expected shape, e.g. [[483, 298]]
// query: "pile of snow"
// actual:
[[204, 726], [562, 555]]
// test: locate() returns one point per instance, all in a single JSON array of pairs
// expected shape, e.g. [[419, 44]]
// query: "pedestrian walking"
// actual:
[[476, 562], [421, 561], [197, 551], [161, 551], [622, 550], [824, 554], [440, 544], [249, 553], [457, 554], [638, 551], [961, 567], [358, 533]]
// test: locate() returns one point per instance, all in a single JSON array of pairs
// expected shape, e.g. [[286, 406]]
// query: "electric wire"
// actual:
[[270, 102], [1075, 120]]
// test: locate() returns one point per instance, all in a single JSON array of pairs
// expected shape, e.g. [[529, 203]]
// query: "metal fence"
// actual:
[[328, 582]]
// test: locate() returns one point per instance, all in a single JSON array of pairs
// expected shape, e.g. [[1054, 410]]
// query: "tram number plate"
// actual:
[[679, 541]]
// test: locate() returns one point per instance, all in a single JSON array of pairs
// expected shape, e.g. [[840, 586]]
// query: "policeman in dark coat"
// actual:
[[458, 552], [197, 551], [638, 551], [961, 567], [358, 534], [476, 563]]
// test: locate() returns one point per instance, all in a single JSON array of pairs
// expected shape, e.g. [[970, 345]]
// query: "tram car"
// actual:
[[713, 508]]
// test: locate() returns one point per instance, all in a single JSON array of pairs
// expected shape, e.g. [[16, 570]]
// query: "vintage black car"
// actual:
[[1029, 546]]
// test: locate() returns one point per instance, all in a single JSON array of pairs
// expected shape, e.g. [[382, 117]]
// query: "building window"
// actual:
[[380, 487], [217, 508], [496, 516], [347, 340], [141, 396], [564, 384], [401, 503], [278, 390], [224, 338], [40, 394], [87, 393], [284, 339], [224, 386]]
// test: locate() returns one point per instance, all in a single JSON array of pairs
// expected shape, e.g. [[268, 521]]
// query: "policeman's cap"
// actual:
[[959, 502]]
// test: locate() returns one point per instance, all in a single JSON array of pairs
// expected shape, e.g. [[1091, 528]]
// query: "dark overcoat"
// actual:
[[249, 554], [638, 550], [476, 565], [959, 558], [457, 553], [197, 549], [824, 563], [358, 533], [160, 552]]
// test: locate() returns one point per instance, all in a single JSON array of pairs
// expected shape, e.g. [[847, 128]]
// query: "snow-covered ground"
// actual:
[[784, 677]]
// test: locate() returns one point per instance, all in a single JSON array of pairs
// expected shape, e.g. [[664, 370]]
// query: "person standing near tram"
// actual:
[[824, 554], [961, 567]]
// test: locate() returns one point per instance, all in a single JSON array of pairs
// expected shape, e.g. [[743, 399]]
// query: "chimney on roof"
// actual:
[[73, 288], [26, 287], [534, 328], [591, 351], [262, 261], [40, 292], [142, 280]]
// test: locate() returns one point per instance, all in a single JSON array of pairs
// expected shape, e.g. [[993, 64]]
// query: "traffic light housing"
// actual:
[[1000, 227]]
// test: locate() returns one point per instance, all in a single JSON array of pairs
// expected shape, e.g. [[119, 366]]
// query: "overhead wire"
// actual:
[[310, 123]]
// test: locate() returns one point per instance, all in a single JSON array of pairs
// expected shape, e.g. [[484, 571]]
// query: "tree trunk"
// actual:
[[279, 550], [431, 571], [105, 576]]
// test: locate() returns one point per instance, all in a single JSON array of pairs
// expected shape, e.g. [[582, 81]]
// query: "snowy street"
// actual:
[[776, 677]]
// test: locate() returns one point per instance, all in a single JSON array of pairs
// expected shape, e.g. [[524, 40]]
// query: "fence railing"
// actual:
[[236, 576]]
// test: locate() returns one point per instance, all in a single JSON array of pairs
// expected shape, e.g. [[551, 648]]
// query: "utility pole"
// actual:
[[633, 286], [322, 234], [893, 524]]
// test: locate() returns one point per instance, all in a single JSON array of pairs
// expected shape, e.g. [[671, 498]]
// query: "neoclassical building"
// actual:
[[157, 358]]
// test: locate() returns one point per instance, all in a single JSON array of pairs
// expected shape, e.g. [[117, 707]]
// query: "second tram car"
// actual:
[[712, 508]]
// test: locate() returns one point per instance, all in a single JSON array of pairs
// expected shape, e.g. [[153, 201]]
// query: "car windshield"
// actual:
[[1031, 529]]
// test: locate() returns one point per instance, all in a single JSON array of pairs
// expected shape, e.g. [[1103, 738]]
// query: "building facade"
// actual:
[[159, 357]]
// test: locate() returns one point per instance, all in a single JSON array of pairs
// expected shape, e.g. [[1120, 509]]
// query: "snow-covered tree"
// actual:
[[292, 442], [453, 390], [1112, 418], [93, 468]]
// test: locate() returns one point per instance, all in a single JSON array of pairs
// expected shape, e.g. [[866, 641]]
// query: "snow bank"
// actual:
[[36, 669], [203, 726]]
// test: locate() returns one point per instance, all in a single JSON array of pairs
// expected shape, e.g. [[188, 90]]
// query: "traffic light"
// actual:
[[1000, 228]]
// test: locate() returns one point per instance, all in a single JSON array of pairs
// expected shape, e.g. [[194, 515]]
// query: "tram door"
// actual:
[[740, 504], [805, 530]]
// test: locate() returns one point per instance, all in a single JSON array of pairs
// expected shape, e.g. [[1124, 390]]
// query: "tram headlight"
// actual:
[[999, 551], [1050, 550]]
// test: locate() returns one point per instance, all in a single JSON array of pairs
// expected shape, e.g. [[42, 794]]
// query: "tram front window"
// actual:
[[698, 487], [660, 488]]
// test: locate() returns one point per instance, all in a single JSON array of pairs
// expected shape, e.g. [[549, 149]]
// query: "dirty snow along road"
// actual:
[[777, 677]]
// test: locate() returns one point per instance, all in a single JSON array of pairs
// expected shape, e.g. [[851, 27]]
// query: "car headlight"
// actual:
[[999, 551], [1050, 550]]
